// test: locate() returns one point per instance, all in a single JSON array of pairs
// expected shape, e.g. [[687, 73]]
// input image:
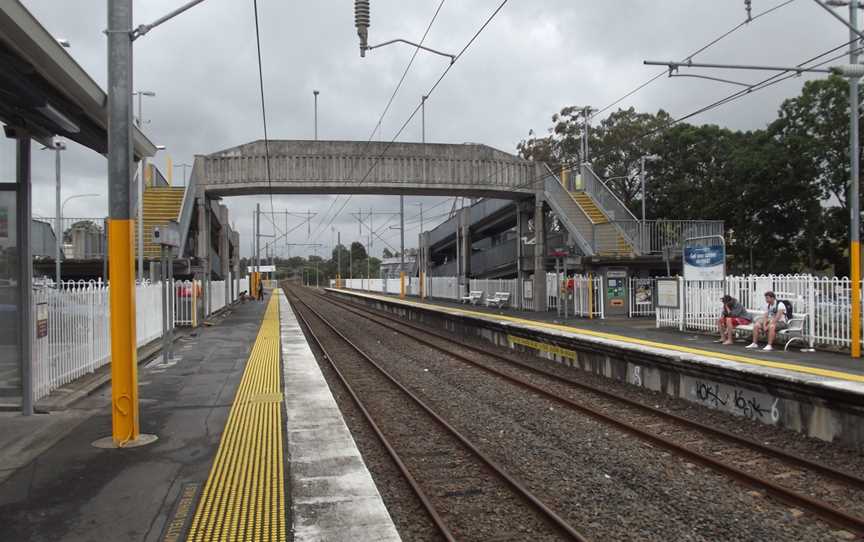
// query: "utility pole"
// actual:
[[854, 154], [257, 237], [124, 354], [401, 234], [338, 258]]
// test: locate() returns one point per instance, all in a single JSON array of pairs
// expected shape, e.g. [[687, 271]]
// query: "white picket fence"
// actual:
[[79, 338], [79, 333], [825, 301]]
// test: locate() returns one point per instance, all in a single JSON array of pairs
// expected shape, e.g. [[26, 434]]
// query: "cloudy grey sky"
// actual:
[[534, 58]]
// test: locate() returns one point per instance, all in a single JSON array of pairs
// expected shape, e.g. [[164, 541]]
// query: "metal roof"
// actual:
[[43, 89]]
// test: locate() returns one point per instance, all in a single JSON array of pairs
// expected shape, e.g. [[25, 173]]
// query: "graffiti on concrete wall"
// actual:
[[739, 401]]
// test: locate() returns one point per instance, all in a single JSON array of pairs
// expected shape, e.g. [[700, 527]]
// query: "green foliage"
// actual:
[[781, 191]]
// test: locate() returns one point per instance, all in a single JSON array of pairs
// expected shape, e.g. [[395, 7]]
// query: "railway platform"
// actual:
[[820, 394], [251, 446]]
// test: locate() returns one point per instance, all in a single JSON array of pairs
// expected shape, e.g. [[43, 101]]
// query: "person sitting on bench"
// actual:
[[734, 314], [773, 321]]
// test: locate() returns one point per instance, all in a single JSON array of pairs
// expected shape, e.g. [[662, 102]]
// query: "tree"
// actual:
[[617, 146], [358, 251], [813, 130], [386, 253]]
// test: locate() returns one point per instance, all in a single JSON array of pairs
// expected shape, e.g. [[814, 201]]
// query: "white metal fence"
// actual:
[[78, 337], [187, 295], [588, 296], [824, 300]]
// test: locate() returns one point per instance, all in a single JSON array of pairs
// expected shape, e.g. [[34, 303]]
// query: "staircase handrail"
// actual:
[[609, 202], [187, 207], [553, 190]]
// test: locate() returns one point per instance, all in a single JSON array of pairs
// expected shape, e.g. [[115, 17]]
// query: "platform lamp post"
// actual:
[[57, 146], [315, 94], [140, 196]]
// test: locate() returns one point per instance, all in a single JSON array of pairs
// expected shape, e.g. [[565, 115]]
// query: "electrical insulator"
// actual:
[[361, 21], [748, 8]]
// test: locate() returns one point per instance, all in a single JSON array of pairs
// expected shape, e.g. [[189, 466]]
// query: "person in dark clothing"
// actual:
[[734, 314], [260, 289]]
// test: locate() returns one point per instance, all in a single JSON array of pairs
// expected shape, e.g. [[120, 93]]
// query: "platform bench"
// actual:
[[474, 297], [500, 299]]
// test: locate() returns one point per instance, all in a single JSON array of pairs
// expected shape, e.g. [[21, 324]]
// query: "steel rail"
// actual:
[[840, 475], [421, 495], [822, 509], [550, 514]]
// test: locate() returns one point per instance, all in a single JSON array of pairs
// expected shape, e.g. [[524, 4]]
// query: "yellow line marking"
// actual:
[[244, 498], [543, 347], [840, 375]]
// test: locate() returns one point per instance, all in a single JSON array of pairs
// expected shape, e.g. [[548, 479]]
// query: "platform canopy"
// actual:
[[44, 91]]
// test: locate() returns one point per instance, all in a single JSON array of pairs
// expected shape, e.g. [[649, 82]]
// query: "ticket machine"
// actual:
[[615, 294]]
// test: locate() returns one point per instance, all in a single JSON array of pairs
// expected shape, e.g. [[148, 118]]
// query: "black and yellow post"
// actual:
[[124, 375]]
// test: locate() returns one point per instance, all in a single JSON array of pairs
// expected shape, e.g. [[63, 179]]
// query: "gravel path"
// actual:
[[616, 486], [473, 501]]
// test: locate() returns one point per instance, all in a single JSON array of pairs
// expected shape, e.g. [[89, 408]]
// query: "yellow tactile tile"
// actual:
[[244, 498]]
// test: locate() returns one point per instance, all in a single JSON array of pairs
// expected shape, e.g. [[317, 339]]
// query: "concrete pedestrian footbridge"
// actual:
[[360, 167]]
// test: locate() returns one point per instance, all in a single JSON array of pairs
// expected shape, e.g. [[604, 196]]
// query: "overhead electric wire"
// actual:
[[691, 55], [263, 112], [384, 112], [755, 87], [427, 94]]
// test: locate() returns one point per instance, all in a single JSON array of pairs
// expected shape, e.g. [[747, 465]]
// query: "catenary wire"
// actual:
[[383, 113], [708, 45], [417, 108], [263, 112]]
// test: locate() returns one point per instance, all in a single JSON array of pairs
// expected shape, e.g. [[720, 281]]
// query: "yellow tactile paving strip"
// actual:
[[244, 498], [839, 375]]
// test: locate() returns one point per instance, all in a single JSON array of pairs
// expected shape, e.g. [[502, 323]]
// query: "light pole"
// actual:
[[140, 211], [423, 118], [57, 146], [315, 93]]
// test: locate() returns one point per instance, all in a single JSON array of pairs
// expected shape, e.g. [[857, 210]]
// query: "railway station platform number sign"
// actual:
[[705, 262]]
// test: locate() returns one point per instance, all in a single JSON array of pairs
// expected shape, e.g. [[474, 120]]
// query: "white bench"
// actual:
[[500, 299], [474, 297]]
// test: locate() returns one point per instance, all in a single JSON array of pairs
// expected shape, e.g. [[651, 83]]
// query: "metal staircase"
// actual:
[[161, 204], [586, 221]]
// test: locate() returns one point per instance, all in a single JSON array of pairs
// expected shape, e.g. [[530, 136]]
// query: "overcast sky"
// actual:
[[534, 58]]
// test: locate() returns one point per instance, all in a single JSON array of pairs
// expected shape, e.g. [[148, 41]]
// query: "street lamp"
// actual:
[[57, 145], [141, 94], [315, 93]]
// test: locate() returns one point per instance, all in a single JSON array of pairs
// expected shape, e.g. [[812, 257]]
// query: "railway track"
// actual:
[[806, 484], [466, 494]]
